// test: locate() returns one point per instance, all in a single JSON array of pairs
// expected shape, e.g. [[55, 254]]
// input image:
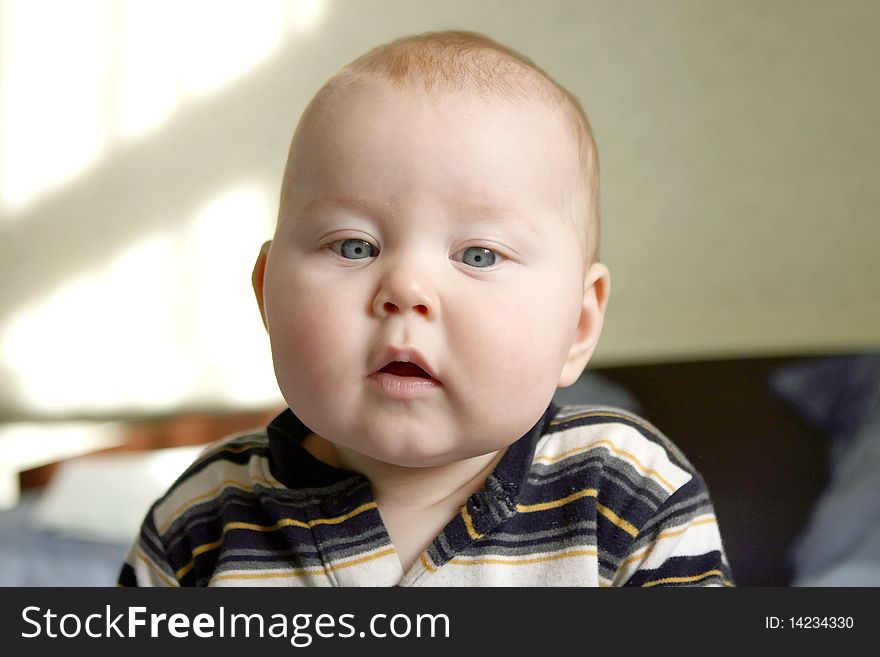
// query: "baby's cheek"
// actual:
[[322, 337], [508, 383], [308, 343], [522, 343], [507, 344]]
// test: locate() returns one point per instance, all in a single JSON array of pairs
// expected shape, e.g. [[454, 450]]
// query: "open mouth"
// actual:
[[398, 368], [405, 379]]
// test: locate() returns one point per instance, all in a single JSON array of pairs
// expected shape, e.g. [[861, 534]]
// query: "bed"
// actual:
[[789, 447]]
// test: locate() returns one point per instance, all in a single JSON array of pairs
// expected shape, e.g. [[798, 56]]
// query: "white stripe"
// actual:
[[697, 539], [573, 570], [194, 489], [627, 444]]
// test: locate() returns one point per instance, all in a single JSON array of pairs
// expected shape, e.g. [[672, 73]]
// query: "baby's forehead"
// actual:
[[343, 118], [529, 95], [373, 125]]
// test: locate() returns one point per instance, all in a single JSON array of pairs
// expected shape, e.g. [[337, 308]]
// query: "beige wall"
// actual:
[[739, 151]]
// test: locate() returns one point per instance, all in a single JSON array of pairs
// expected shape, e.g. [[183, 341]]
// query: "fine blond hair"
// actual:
[[459, 60]]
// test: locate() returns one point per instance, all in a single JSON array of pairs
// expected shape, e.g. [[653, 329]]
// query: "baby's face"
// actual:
[[425, 283]]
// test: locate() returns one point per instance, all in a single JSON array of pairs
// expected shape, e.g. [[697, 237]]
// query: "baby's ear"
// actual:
[[597, 289], [259, 276]]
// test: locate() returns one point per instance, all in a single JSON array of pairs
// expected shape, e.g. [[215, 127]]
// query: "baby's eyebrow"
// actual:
[[470, 210], [495, 214], [346, 202]]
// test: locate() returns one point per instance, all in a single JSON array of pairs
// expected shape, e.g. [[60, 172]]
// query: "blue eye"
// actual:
[[477, 256], [354, 249]]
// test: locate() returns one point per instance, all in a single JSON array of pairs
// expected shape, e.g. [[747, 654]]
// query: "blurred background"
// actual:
[[141, 150]]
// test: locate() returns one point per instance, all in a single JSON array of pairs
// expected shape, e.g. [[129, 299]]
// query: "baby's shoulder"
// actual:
[[237, 462], [615, 438], [251, 441]]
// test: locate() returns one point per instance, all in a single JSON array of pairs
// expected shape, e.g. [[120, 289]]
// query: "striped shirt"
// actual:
[[590, 496]]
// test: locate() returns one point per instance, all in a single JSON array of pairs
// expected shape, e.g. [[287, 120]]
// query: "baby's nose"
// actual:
[[404, 290], [391, 308]]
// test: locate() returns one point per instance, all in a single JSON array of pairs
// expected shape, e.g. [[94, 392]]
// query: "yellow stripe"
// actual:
[[523, 562], [226, 483], [469, 524], [644, 553], [543, 506], [617, 520], [292, 522], [651, 472], [567, 453], [692, 578], [143, 557], [628, 527], [427, 564], [306, 571], [284, 522], [201, 549], [183, 571]]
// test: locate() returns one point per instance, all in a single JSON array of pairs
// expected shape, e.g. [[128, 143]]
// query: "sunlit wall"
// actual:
[[142, 144], [164, 316]]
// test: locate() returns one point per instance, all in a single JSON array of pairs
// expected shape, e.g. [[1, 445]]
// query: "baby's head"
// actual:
[[433, 276]]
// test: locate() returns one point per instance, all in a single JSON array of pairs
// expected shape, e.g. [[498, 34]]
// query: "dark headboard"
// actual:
[[764, 465]]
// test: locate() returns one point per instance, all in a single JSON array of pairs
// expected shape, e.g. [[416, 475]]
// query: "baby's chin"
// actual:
[[426, 439], [404, 454], [436, 460]]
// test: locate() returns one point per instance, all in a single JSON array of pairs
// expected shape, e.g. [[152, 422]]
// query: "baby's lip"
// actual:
[[403, 361]]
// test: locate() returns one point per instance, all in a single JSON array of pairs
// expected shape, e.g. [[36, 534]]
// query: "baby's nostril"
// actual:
[[423, 310], [389, 307]]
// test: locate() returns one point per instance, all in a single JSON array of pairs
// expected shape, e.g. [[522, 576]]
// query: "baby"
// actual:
[[432, 280]]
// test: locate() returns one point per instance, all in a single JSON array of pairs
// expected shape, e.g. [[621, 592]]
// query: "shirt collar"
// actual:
[[295, 467], [291, 463]]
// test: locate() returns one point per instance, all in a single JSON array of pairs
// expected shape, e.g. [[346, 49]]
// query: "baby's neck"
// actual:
[[447, 485], [415, 503], [406, 486]]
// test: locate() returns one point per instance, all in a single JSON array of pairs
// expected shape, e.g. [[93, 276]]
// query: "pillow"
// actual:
[[104, 497], [837, 393], [840, 545]]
